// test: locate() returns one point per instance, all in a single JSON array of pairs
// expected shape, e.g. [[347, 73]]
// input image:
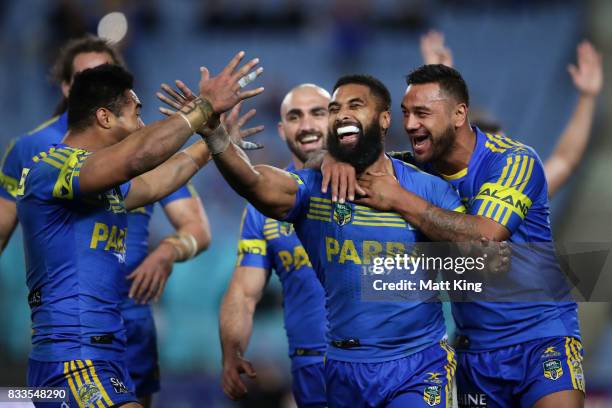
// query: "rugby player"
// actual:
[[72, 204], [267, 244], [587, 77], [381, 353], [148, 272], [510, 353]]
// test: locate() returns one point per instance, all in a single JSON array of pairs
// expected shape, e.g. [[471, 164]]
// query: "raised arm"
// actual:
[[152, 145], [433, 49], [384, 193], [587, 76], [236, 324]]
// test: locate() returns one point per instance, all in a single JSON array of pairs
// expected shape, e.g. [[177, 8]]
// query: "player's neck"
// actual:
[[381, 165], [87, 139], [297, 163], [459, 154]]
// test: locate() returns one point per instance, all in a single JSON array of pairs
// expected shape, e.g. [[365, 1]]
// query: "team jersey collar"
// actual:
[[477, 148]]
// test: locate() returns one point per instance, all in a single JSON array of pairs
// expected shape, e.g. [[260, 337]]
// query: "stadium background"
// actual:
[[513, 55]]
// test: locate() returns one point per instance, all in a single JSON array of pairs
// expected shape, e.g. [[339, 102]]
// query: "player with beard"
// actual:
[[267, 244], [510, 353], [382, 353]]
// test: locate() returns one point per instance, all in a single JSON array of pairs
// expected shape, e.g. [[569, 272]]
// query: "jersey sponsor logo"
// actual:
[[20, 190], [109, 238], [364, 253], [578, 373], [433, 378], [506, 196], [118, 386], [475, 400], [89, 394], [294, 261], [553, 370], [550, 352], [343, 213], [102, 339], [432, 395], [35, 298], [252, 246]]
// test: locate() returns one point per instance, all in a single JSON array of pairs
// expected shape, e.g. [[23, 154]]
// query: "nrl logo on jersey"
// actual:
[[343, 213], [432, 395], [553, 369], [286, 228]]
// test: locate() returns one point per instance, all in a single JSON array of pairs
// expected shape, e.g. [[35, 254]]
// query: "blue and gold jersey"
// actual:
[[75, 247], [138, 245], [342, 240], [270, 244], [22, 149], [505, 181]]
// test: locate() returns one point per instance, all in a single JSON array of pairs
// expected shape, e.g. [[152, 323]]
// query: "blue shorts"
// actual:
[[141, 354], [423, 379], [309, 386], [519, 375], [88, 383]]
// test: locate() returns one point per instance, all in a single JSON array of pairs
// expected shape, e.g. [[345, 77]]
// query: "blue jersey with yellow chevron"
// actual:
[[270, 244], [21, 151], [75, 259], [342, 240], [24, 148], [505, 181]]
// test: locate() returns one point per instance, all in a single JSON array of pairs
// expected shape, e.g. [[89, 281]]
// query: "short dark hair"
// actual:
[[449, 80], [100, 87], [379, 89], [62, 70]]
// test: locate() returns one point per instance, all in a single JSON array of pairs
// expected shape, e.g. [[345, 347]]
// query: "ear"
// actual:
[[281, 131], [460, 115], [65, 88], [384, 120], [104, 118]]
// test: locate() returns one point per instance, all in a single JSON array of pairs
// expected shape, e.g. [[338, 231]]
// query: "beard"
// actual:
[[364, 153], [442, 144]]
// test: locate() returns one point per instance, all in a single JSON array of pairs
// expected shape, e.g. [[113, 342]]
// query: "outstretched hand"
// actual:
[[433, 49], [182, 95], [224, 90], [587, 74]]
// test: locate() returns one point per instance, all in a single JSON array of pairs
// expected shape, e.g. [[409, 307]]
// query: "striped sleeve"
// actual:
[[68, 163], [252, 246], [10, 173], [506, 195]]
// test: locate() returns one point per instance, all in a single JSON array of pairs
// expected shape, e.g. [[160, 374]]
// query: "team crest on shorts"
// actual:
[[89, 394], [343, 213], [432, 395], [286, 228], [553, 369]]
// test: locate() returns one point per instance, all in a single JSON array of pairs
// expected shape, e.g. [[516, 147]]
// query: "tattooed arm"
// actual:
[[384, 193]]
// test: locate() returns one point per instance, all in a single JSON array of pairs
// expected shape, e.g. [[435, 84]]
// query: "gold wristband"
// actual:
[[197, 113]]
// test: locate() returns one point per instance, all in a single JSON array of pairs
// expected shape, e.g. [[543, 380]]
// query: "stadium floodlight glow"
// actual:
[[113, 27]]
